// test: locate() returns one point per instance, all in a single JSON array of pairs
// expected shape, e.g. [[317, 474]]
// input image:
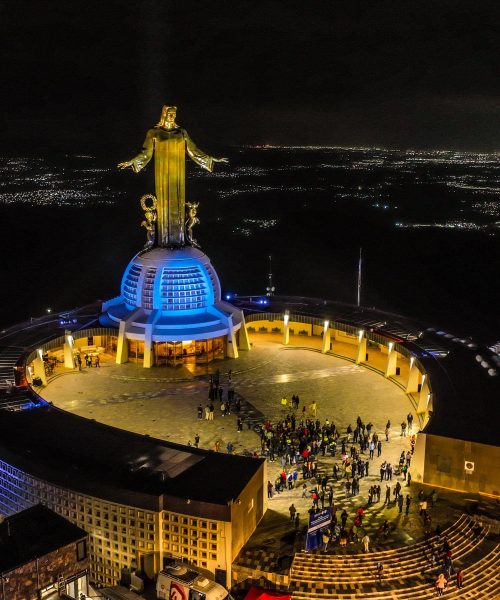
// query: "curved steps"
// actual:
[[407, 573]]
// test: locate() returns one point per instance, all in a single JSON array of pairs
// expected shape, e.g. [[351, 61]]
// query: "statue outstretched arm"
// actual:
[[200, 157], [141, 160]]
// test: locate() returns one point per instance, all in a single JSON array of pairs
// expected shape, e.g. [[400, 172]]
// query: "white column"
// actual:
[[232, 346], [244, 341], [413, 377], [148, 346], [327, 337], [392, 359], [424, 397], [361, 351], [39, 367], [69, 361], [122, 345], [286, 329]]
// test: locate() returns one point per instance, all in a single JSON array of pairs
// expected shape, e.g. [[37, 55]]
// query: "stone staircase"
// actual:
[[19, 400], [9, 356], [407, 573]]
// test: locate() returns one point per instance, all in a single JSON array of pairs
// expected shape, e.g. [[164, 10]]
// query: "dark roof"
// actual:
[[33, 533], [466, 399], [121, 466]]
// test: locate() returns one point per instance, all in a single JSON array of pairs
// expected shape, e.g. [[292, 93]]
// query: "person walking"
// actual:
[[97, 361], [200, 411], [379, 448], [440, 584], [196, 440], [460, 579], [400, 503], [408, 478], [366, 542]]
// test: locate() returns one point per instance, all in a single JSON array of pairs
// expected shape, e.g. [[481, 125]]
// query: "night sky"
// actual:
[[92, 76]]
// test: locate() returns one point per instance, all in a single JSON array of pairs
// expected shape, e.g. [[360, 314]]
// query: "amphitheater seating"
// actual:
[[407, 575]]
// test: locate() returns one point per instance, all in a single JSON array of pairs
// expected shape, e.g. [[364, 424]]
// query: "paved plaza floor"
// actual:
[[162, 402]]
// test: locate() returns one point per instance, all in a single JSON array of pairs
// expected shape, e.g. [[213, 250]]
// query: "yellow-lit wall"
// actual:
[[248, 510], [444, 464]]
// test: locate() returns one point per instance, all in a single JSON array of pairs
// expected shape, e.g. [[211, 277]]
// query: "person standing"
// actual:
[[460, 579], [196, 440], [408, 478], [409, 418], [400, 503], [408, 502], [200, 411], [379, 448], [270, 487], [366, 542], [292, 511], [325, 539], [380, 571]]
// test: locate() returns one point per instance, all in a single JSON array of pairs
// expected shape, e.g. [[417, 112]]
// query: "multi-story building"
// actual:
[[140, 499]]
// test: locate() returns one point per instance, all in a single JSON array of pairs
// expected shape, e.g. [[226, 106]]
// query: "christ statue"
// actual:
[[169, 143]]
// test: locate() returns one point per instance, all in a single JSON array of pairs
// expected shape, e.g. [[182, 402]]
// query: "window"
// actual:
[[81, 550]]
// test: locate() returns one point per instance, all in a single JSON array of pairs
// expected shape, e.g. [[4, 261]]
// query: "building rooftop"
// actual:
[[33, 533], [121, 466]]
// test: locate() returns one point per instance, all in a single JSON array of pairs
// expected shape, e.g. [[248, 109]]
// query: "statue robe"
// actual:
[[169, 147]]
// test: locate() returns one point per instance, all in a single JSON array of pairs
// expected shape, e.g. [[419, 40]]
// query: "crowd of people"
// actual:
[[300, 442]]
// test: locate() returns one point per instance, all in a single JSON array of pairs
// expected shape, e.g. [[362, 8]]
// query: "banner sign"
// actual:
[[317, 523]]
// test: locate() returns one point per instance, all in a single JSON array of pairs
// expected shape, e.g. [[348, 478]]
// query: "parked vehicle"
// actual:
[[179, 581]]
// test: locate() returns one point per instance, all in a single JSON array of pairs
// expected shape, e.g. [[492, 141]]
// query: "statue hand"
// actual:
[[124, 165], [221, 160]]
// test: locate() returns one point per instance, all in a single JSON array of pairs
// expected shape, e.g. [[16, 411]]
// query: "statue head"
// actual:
[[167, 118]]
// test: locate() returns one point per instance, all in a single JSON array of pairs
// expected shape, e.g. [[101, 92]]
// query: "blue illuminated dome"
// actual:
[[171, 281], [171, 295]]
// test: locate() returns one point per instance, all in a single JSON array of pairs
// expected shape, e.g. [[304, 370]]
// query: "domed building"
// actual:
[[170, 310]]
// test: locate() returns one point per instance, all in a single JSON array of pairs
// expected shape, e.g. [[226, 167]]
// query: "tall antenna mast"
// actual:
[[359, 275], [270, 287]]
